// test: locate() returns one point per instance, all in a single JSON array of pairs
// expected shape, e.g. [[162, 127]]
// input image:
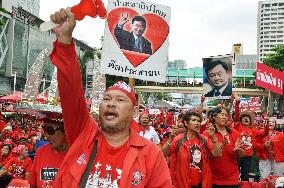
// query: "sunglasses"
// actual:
[[51, 130]]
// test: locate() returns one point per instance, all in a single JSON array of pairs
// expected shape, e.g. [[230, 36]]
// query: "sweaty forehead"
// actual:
[[194, 117], [144, 116], [271, 120], [115, 93]]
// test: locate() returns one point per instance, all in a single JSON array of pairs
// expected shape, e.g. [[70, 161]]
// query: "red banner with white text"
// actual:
[[269, 78]]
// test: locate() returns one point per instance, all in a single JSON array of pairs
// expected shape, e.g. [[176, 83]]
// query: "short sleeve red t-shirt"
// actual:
[[107, 167], [3, 162], [195, 153], [192, 159], [45, 166], [20, 167], [247, 138], [225, 168]]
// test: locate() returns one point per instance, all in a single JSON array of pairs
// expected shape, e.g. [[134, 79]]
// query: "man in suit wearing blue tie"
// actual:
[[218, 75], [133, 41]]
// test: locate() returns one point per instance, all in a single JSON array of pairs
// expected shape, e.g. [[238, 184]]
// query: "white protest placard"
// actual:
[[136, 40]]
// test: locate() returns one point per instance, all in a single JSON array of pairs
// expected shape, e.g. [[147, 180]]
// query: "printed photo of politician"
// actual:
[[133, 40], [217, 77]]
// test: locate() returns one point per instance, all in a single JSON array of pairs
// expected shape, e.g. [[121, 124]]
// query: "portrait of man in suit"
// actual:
[[133, 41], [218, 76]]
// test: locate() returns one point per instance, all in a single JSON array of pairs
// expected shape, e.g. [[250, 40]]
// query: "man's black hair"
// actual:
[[180, 116], [210, 65], [139, 19], [209, 113]]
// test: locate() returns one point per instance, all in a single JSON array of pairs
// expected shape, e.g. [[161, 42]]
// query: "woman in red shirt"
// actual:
[[270, 150], [20, 165], [17, 167], [5, 154], [225, 168]]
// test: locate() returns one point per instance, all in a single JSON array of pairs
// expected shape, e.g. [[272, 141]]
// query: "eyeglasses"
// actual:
[[51, 130]]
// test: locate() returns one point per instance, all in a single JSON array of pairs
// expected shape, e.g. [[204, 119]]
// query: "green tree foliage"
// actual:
[[3, 10], [2, 22], [276, 59]]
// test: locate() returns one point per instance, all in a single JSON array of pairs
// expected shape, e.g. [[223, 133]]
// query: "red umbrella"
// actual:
[[14, 97]]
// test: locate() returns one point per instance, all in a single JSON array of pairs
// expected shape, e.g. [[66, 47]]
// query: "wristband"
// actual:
[[168, 143]]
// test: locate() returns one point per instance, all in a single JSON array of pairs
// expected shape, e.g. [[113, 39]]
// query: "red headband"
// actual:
[[123, 87], [142, 113]]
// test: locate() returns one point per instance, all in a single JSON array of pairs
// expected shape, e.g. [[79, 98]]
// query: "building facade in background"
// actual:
[[31, 6], [21, 42], [177, 64], [270, 26]]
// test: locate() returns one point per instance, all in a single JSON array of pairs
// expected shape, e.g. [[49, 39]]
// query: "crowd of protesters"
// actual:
[[196, 143], [192, 148]]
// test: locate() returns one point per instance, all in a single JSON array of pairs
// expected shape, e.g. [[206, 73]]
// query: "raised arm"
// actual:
[[229, 107], [200, 109], [237, 108], [74, 108]]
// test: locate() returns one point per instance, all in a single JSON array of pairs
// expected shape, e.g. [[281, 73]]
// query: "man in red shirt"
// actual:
[[50, 156], [110, 156], [190, 153]]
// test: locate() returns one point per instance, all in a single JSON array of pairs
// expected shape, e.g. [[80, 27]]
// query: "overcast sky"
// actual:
[[198, 28]]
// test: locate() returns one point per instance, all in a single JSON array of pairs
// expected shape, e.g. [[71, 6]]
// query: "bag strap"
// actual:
[[87, 171]]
